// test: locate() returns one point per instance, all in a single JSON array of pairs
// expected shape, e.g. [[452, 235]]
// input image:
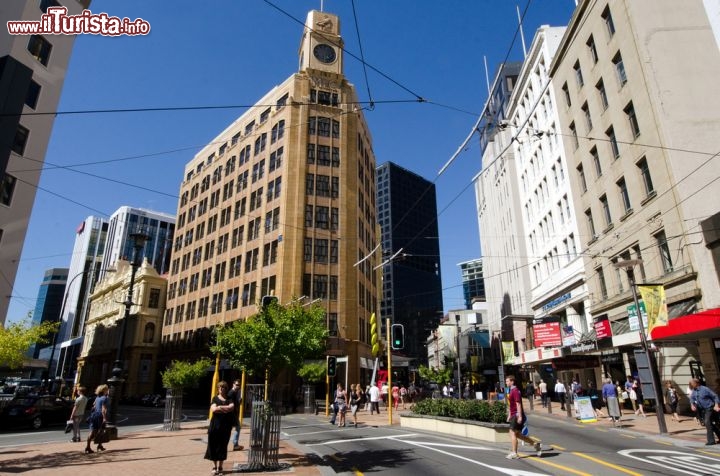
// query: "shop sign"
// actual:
[[603, 328], [582, 348], [568, 336], [547, 334], [557, 301], [633, 317]]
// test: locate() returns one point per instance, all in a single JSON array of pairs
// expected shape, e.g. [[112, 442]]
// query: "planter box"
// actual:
[[493, 432]]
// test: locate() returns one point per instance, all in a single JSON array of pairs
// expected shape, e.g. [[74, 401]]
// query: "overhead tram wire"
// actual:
[[362, 57]]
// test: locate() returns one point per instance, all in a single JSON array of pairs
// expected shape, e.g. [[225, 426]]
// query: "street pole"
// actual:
[[629, 265], [457, 338], [115, 382]]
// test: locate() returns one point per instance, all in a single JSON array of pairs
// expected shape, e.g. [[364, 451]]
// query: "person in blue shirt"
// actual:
[[704, 398]]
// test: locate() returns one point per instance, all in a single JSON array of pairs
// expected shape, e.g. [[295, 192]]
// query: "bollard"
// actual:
[[530, 401], [568, 404], [549, 404]]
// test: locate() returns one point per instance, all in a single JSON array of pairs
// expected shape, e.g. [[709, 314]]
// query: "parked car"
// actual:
[[35, 411]]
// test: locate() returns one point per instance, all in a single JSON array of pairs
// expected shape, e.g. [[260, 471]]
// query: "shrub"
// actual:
[[475, 410]]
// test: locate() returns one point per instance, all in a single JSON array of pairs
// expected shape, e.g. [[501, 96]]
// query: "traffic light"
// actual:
[[331, 366], [374, 335], [398, 336]]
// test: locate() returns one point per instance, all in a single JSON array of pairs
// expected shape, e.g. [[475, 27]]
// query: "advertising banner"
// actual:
[[655, 304], [547, 334], [603, 329], [633, 316], [508, 352], [584, 410]]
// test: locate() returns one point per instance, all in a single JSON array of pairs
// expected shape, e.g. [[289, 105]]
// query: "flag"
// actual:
[[508, 351], [655, 305]]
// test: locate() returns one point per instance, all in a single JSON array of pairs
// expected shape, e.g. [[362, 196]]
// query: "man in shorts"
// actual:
[[516, 419]]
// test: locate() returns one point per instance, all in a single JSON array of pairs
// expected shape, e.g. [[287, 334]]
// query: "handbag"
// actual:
[[102, 436], [68, 426], [624, 396]]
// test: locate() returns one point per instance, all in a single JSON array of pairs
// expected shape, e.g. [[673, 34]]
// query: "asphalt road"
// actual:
[[569, 448]]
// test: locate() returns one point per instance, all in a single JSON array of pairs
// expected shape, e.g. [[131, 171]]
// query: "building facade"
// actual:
[[472, 281], [282, 202], [634, 83], [142, 338], [48, 306], [411, 281], [32, 72]]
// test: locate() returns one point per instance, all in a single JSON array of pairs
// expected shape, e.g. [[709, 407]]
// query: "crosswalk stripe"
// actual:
[[605, 463]]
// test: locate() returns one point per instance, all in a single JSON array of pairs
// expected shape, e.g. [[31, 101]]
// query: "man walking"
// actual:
[[560, 392], [235, 396], [374, 398], [516, 419], [704, 398], [543, 392]]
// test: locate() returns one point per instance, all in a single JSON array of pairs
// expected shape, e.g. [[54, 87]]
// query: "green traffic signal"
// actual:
[[331, 366], [398, 336]]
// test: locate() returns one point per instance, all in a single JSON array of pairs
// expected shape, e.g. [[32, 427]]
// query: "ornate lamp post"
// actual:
[[115, 382]]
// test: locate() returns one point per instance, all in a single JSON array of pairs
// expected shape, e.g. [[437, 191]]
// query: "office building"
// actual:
[[472, 281], [48, 305]]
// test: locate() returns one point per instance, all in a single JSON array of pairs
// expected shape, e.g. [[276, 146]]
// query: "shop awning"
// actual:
[[690, 326]]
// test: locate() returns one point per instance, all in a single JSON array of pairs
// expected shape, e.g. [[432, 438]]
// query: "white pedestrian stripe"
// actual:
[[681, 462], [369, 438]]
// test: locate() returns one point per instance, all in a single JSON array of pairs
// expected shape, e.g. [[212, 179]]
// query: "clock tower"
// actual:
[[321, 44]]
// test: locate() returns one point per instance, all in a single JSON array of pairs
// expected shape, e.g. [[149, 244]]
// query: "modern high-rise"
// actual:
[[48, 304], [473, 282], [635, 84], [411, 283], [32, 72], [99, 245], [282, 202]]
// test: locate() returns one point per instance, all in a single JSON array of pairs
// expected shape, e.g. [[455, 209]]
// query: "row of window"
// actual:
[[554, 261], [320, 250]]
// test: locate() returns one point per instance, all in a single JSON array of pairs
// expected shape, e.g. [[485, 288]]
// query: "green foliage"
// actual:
[[476, 410], [16, 339], [183, 374], [312, 372], [440, 376], [275, 338]]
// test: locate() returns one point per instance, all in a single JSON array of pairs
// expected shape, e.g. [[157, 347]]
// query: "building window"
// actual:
[[645, 174], [620, 69], [20, 141], [578, 74], [40, 49], [566, 93], [610, 133], [154, 298], [308, 249], [601, 281], [590, 224], [7, 189], [592, 49], [600, 86], [588, 119], [664, 250], [573, 133], [609, 24], [581, 176], [596, 161], [624, 195], [632, 119], [33, 94], [606, 210]]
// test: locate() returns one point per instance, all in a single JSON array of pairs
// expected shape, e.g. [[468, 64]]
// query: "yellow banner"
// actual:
[[474, 360], [508, 351], [655, 305]]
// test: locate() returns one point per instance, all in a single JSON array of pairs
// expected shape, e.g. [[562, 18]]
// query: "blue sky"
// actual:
[[230, 53]]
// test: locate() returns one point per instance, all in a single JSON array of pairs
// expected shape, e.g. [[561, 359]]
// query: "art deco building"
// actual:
[[282, 202], [32, 72]]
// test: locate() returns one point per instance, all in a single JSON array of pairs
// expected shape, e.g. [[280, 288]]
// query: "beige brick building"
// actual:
[[282, 203], [636, 87]]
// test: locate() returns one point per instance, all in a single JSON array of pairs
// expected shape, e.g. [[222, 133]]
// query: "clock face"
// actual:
[[324, 53]]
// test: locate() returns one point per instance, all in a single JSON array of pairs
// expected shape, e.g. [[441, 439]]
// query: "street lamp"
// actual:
[[628, 266], [115, 382], [457, 322]]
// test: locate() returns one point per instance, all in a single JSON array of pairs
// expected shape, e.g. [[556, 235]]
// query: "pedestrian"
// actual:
[[403, 395], [367, 399], [395, 396], [341, 399], [412, 393], [357, 398], [97, 420], [543, 392], [530, 390], [445, 390], [628, 388], [235, 395], [77, 413], [595, 399], [623, 396], [609, 392], [374, 398], [636, 390], [703, 397], [384, 393], [673, 398], [221, 425], [560, 392], [516, 419]]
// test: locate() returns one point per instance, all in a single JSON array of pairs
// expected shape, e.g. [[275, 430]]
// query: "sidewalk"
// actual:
[[687, 432], [157, 453]]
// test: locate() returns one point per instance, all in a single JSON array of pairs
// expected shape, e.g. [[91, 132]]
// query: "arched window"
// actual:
[[149, 333]]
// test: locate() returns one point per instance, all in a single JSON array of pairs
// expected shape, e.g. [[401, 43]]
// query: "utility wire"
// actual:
[[362, 56]]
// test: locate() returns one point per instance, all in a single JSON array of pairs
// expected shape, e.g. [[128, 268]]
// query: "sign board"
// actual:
[[643, 366], [585, 410], [602, 328], [547, 334], [568, 336], [633, 317]]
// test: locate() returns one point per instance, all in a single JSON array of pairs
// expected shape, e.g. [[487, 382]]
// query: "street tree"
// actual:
[[16, 339], [439, 376], [177, 377]]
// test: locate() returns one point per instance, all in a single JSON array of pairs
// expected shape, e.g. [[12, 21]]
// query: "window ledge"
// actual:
[[650, 196], [608, 228], [627, 214]]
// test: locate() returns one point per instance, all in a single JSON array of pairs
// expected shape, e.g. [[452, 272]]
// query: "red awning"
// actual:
[[691, 326]]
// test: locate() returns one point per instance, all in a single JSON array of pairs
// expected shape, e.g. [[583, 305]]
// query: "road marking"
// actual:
[[664, 443], [369, 438], [460, 447], [628, 436], [357, 472], [708, 453], [605, 463], [561, 448], [602, 429], [558, 466], [676, 460]]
